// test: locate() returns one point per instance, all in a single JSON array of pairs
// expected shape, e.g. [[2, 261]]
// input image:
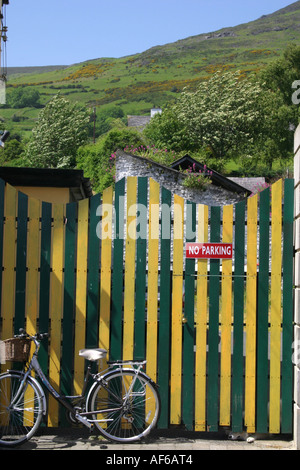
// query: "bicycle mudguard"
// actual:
[[30, 379]]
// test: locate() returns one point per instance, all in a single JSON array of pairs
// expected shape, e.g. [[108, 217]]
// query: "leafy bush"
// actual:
[[23, 97], [97, 160]]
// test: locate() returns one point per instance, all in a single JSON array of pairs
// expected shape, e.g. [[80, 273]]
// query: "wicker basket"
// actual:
[[17, 349]]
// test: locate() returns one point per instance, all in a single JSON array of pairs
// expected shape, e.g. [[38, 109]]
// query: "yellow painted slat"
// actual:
[[201, 325], [152, 298], [32, 276], [33, 263], [106, 258], [56, 306], [251, 300], [177, 291], [81, 292], [226, 321], [129, 286], [275, 309], [9, 261]]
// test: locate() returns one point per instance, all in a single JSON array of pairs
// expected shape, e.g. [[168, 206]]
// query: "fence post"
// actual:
[[297, 290]]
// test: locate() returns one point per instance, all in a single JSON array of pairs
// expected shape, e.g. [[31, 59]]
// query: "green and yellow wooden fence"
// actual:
[[111, 272]]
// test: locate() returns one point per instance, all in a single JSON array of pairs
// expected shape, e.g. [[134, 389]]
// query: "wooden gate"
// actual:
[[111, 272]]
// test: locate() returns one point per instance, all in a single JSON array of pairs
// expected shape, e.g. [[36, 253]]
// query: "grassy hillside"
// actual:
[[138, 82]]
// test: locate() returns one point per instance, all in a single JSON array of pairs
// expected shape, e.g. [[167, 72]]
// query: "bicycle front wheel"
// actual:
[[21, 409], [126, 405]]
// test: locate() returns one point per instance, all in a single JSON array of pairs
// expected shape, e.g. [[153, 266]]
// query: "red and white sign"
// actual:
[[209, 250]]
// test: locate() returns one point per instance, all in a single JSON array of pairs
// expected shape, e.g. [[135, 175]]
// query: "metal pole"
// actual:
[[94, 124]]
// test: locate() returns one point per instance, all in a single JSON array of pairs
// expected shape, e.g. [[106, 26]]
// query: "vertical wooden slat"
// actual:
[[21, 255], [165, 308], [250, 379], [2, 192], [263, 314], [152, 294], [69, 305], [238, 320], [140, 280], [117, 276], [93, 279], [188, 324], [56, 299], [287, 309], [177, 291], [33, 263], [129, 280], [32, 277], [201, 326], [44, 295], [106, 258], [81, 288], [44, 287], [213, 330], [226, 321], [275, 309], [9, 260]]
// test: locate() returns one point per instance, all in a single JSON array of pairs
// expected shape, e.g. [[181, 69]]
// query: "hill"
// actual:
[[154, 77]]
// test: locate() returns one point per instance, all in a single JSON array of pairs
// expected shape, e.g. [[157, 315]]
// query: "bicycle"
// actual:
[[122, 403]]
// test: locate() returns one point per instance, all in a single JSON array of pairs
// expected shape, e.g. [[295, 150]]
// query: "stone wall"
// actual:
[[132, 165]]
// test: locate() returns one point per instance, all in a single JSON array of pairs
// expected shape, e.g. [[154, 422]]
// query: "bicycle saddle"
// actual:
[[93, 354]]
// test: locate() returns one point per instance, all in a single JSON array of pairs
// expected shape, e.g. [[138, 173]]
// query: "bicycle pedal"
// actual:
[[83, 421]]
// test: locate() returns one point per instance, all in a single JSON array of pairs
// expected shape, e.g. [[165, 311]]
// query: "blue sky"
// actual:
[[63, 32]]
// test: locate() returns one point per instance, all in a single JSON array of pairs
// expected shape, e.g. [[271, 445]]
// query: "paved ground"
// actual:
[[159, 442]]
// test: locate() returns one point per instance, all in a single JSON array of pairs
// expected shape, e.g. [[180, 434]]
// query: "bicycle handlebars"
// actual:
[[37, 336]]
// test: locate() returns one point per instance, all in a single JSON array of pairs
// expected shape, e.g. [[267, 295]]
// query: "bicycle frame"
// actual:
[[63, 399]]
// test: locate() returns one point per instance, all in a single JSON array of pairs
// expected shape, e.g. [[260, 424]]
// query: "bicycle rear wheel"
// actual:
[[21, 409], [126, 407]]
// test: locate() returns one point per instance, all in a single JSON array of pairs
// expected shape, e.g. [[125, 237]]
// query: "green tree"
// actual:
[[277, 80], [98, 160], [23, 97], [106, 117], [224, 114], [280, 74], [61, 129], [227, 117], [11, 154], [167, 131]]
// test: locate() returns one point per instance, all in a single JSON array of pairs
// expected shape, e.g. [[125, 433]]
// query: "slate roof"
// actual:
[[219, 180]]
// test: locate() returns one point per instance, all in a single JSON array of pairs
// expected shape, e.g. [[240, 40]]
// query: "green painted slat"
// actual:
[[164, 309], [287, 322], [213, 328], [140, 286], [69, 301], [2, 188], [45, 281], [188, 325], [262, 313], [21, 262], [238, 333], [117, 275], [93, 280], [44, 294]]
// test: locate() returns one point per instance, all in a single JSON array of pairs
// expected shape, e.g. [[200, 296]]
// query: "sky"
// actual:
[[64, 32]]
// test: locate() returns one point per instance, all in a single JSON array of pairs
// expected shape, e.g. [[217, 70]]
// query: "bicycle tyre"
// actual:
[[137, 418], [20, 422]]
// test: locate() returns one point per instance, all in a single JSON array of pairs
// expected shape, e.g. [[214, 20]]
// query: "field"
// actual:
[[155, 77]]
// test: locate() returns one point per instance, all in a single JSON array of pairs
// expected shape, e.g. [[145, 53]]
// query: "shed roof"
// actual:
[[219, 180], [47, 177]]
